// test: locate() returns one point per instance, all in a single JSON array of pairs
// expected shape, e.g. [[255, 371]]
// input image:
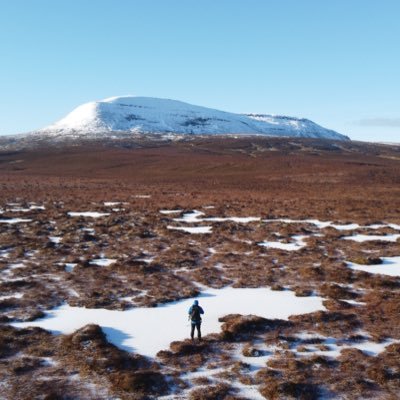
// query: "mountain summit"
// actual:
[[132, 114]]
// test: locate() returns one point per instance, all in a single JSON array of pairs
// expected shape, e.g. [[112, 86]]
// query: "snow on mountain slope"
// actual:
[[153, 115]]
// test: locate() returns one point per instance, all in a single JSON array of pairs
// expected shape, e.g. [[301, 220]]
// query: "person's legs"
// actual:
[[192, 330], [198, 325]]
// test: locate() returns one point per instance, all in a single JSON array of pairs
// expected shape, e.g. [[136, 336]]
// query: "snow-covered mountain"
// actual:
[[130, 114]]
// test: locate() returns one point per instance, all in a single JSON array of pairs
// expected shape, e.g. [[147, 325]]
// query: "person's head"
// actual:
[[196, 302]]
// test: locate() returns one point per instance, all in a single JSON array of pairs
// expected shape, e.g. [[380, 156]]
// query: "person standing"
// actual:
[[195, 312]]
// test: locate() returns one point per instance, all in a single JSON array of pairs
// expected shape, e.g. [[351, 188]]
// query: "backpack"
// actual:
[[195, 313]]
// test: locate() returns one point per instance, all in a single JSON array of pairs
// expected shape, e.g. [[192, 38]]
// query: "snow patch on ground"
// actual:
[[12, 296], [133, 329], [90, 214], [69, 267], [55, 239], [14, 220], [195, 217], [191, 217], [4, 253], [103, 262], [365, 238], [240, 220], [299, 244], [325, 224], [148, 260], [194, 229], [390, 266], [335, 346]]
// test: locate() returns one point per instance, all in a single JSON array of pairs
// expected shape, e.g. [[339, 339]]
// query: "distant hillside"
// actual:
[[127, 115]]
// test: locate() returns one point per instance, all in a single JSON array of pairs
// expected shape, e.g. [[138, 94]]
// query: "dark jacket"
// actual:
[[194, 313]]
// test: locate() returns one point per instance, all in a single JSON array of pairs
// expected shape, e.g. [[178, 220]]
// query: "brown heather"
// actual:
[[263, 177]]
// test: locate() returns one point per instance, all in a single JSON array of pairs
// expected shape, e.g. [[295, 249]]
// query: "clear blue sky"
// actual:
[[336, 62]]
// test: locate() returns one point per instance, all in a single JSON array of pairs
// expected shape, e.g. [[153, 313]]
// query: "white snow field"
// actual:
[[194, 229], [297, 245], [14, 220], [154, 115], [90, 214], [326, 224], [390, 266], [366, 238], [166, 212], [149, 330], [103, 262]]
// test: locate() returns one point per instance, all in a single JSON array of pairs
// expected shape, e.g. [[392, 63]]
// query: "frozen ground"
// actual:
[[149, 330]]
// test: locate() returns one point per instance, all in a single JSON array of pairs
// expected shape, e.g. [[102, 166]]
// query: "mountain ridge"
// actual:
[[140, 115]]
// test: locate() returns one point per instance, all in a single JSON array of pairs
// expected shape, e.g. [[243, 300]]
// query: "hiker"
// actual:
[[194, 315]]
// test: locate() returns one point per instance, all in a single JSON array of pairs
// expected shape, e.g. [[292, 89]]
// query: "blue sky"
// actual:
[[335, 62]]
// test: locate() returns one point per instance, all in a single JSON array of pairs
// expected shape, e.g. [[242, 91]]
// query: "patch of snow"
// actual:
[[103, 262], [12, 296], [16, 266], [91, 214], [133, 329], [365, 238], [191, 217], [367, 346], [309, 335], [240, 220], [4, 253], [31, 253], [19, 209], [347, 227], [299, 244], [390, 266], [373, 348], [55, 239], [325, 224], [316, 222], [69, 267], [353, 302], [35, 207], [73, 293], [90, 230], [14, 220], [148, 260], [376, 226], [246, 391], [112, 203], [193, 230], [394, 226], [48, 362], [170, 211], [195, 217]]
